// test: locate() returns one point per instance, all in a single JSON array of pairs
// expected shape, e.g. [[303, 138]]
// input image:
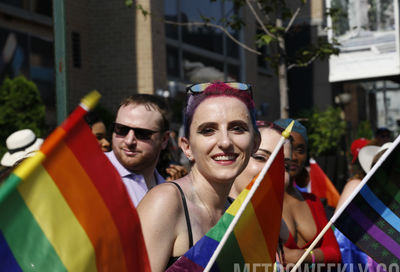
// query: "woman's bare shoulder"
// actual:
[[165, 196]]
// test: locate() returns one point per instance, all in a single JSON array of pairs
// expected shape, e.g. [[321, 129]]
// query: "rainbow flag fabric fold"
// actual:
[[372, 218], [70, 210], [322, 186], [254, 239]]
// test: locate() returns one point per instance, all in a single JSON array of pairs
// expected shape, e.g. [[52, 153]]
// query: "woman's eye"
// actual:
[[239, 129], [100, 136], [206, 131], [259, 158]]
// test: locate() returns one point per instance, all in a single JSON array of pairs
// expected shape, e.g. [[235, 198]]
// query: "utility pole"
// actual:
[[60, 59]]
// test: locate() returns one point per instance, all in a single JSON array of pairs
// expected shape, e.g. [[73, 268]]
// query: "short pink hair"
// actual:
[[214, 90]]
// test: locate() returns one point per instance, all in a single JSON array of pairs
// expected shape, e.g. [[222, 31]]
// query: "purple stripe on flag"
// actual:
[[184, 264], [7, 260], [373, 230], [203, 250]]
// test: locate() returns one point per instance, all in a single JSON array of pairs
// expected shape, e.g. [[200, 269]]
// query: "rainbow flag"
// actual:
[[254, 239], [66, 208], [321, 185], [371, 219]]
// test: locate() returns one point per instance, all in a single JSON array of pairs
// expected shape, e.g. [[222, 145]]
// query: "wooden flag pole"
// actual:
[[285, 135]]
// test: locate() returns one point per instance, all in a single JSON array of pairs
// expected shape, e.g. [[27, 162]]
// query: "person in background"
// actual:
[[298, 171], [168, 164], [270, 136], [364, 157], [382, 135], [303, 212], [220, 136], [98, 129], [139, 133]]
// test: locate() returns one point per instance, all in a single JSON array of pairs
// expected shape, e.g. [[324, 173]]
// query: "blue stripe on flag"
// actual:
[[7, 260], [203, 250], [380, 207]]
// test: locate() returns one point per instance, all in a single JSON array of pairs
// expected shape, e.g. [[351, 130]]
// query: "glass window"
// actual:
[[43, 7], [201, 69], [171, 14], [42, 69], [205, 37], [15, 3], [14, 48], [233, 73], [232, 48], [172, 61]]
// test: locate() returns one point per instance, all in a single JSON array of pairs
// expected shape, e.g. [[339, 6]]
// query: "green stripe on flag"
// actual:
[[218, 231], [230, 255], [25, 238]]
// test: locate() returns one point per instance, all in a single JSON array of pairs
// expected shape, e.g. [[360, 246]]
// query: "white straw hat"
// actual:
[[20, 144], [367, 154]]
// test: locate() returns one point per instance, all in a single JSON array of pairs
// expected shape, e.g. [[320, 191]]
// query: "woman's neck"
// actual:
[[292, 191], [213, 193]]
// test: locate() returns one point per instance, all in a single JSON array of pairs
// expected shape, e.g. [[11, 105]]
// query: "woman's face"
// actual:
[[299, 156], [269, 139], [222, 138], [99, 130]]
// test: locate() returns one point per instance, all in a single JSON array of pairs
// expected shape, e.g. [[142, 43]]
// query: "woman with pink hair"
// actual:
[[220, 137]]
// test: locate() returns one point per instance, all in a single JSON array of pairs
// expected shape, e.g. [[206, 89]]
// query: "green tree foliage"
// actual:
[[364, 130], [20, 107], [325, 131]]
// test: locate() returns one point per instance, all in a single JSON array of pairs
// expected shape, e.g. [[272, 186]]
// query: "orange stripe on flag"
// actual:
[[246, 232], [88, 207]]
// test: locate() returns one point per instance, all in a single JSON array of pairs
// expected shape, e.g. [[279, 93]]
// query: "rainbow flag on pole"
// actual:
[[66, 208], [371, 216], [321, 185], [254, 239]]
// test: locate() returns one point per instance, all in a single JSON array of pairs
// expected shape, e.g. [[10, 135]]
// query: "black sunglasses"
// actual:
[[200, 87], [140, 133]]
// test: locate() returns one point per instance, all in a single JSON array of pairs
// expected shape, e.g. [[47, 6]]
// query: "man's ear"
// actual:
[[165, 139], [185, 146]]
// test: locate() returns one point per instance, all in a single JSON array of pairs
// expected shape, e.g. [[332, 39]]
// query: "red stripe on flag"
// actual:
[[115, 196], [322, 186], [271, 188], [87, 206]]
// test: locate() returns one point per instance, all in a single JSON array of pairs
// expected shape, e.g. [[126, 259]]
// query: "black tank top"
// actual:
[[228, 202], [189, 226]]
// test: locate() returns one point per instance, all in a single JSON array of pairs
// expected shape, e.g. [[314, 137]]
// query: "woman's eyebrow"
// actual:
[[265, 151]]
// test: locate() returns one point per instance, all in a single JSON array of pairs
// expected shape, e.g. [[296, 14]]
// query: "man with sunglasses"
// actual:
[[140, 132]]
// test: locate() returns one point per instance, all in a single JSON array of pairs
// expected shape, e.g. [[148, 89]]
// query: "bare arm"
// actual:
[[159, 213]]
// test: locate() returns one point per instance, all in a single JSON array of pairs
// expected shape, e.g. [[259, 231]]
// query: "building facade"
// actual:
[[118, 51]]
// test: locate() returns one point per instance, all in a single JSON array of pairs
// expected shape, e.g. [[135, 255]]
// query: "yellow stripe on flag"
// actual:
[[234, 207], [251, 239], [49, 209]]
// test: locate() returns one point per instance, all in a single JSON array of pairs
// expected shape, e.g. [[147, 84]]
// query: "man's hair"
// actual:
[[151, 102]]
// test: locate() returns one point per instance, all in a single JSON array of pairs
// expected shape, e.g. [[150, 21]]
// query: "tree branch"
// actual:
[[292, 19], [220, 28], [260, 22], [293, 65]]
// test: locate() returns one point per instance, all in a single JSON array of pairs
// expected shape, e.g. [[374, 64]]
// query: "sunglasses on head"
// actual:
[[140, 133], [200, 87]]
